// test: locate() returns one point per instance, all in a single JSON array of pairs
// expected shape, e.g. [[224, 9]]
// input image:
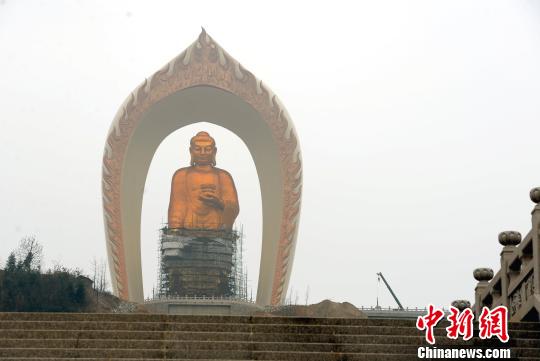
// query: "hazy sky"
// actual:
[[419, 124]]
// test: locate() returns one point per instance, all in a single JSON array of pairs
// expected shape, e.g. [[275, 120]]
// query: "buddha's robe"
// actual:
[[188, 210]]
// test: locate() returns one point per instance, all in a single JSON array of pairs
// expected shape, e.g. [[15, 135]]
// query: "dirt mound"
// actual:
[[105, 302], [328, 308], [325, 308]]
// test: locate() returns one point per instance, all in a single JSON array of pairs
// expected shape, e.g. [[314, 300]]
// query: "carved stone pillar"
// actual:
[[509, 239], [483, 276], [535, 197], [461, 305]]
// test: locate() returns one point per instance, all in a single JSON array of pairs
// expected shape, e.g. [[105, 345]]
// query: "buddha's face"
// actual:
[[203, 152]]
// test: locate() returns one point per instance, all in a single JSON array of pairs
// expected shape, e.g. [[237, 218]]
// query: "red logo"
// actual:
[[460, 323], [428, 322], [490, 323], [494, 323]]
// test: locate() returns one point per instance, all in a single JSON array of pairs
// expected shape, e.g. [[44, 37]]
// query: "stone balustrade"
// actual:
[[517, 283]]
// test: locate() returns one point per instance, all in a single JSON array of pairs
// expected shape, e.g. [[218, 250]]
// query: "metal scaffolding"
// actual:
[[201, 263]]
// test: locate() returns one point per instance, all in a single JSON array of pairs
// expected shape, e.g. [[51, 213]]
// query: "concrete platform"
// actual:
[[202, 306]]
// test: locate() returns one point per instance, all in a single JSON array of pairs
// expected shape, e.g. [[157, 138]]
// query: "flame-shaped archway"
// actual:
[[203, 83]]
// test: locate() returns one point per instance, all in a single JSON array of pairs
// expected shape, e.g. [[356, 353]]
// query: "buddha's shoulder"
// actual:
[[222, 172], [181, 172]]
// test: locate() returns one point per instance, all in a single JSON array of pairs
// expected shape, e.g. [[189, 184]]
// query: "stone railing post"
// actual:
[[509, 240], [461, 305], [483, 276], [535, 197]]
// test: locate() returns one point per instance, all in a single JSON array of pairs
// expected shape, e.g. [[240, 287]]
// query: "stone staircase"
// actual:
[[61, 336]]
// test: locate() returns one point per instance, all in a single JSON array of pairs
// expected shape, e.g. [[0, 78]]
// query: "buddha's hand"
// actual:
[[211, 198]]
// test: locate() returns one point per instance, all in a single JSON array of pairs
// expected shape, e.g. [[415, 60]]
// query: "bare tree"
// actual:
[[102, 280], [288, 299], [103, 284], [30, 251], [307, 295], [99, 275], [94, 272], [99, 278]]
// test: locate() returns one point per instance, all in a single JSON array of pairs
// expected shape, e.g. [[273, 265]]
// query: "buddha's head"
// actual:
[[203, 149]]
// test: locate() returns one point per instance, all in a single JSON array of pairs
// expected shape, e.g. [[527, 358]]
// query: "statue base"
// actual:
[[199, 263], [202, 306]]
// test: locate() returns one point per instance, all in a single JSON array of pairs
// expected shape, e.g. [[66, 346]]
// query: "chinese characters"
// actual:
[[490, 323]]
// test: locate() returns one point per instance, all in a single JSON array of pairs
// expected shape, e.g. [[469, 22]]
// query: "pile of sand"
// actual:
[[325, 308], [328, 308]]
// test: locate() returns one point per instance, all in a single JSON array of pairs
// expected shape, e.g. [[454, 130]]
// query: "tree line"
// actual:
[[25, 288]]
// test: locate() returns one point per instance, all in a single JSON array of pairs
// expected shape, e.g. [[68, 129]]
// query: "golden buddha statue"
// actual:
[[202, 195]]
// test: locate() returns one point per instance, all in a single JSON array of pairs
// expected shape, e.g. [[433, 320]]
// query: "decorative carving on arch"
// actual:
[[204, 63]]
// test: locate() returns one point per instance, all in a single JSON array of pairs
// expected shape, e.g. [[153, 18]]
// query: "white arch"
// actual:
[[202, 84]]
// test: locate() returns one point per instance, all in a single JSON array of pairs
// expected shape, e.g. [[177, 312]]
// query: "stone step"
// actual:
[[23, 335], [223, 345], [364, 357], [221, 327], [228, 336], [223, 354], [208, 327], [144, 336], [116, 317], [361, 357], [100, 359]]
